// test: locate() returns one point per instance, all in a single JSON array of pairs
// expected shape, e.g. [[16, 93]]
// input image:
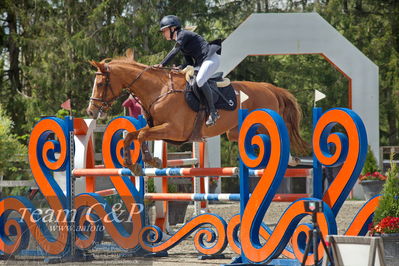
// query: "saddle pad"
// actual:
[[227, 91]]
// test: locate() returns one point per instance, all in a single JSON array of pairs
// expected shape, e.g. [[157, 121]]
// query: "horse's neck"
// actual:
[[154, 83]]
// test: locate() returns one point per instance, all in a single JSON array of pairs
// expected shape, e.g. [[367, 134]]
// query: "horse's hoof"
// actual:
[[127, 162]]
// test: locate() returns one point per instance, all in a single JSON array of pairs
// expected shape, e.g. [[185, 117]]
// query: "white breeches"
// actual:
[[207, 69]]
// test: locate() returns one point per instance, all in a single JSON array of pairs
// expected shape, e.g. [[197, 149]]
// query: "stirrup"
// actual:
[[212, 119]]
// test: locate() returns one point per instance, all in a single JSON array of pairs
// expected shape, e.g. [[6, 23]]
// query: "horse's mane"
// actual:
[[132, 62], [126, 60]]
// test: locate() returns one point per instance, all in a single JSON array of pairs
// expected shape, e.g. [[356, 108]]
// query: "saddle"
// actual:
[[224, 96]]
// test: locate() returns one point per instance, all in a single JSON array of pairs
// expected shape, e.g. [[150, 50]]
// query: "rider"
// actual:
[[197, 52]]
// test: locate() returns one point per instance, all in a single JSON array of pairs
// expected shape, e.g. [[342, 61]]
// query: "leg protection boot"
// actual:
[[213, 114]]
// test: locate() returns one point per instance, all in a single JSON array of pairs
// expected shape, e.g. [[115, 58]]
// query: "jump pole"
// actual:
[[164, 172]]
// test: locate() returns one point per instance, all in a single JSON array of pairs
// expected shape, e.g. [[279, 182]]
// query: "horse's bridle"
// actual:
[[106, 104]]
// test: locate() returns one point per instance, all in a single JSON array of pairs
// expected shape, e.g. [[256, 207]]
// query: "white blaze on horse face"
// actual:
[[94, 86], [92, 93]]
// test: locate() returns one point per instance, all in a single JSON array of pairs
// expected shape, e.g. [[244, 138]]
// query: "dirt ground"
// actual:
[[185, 254]]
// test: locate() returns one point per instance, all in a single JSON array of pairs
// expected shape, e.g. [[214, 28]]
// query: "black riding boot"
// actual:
[[213, 114]]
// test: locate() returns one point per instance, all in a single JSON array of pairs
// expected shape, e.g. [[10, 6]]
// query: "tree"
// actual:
[[46, 46], [388, 205], [13, 154], [373, 27], [370, 164]]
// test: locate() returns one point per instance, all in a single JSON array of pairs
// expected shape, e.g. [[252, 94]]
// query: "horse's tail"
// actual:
[[292, 115]]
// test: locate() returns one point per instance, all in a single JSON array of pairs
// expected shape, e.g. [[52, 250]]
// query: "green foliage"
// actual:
[[370, 165], [388, 205], [229, 151], [150, 185], [62, 113], [13, 154], [153, 59], [10, 149], [373, 27]]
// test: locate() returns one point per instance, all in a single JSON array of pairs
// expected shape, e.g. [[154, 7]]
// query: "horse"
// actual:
[[160, 92]]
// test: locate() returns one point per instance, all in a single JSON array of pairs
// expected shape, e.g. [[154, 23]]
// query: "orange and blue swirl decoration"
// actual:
[[94, 211], [253, 150], [48, 152], [348, 150], [336, 148], [339, 139], [206, 240]]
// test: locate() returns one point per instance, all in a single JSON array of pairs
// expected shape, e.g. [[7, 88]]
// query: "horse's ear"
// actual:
[[99, 65], [93, 63], [130, 54]]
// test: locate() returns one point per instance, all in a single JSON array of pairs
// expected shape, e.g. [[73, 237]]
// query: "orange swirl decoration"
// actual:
[[349, 150], [277, 146], [151, 236], [352, 150], [49, 136], [94, 211]]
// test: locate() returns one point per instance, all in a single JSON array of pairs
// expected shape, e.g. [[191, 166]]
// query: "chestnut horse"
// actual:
[[160, 93]]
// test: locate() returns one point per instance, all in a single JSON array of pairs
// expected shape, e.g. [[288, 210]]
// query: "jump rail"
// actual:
[[182, 172], [155, 172]]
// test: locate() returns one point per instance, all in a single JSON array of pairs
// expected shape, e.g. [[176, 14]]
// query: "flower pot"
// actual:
[[391, 248], [372, 187]]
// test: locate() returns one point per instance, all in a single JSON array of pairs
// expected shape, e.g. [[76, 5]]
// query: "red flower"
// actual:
[[388, 225], [372, 176]]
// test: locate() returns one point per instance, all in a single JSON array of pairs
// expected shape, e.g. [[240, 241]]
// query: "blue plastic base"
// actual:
[[286, 262]]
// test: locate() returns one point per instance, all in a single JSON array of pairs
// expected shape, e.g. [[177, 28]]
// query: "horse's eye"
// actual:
[[100, 84]]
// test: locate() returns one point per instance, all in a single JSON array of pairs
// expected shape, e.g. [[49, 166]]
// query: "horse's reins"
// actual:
[[108, 104], [170, 91]]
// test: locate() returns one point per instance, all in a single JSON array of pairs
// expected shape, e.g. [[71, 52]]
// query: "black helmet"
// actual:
[[170, 21]]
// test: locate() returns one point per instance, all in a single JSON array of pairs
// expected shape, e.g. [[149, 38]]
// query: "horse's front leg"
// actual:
[[127, 160], [154, 133]]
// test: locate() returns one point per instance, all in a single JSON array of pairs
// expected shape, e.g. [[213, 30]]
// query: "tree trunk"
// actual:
[[359, 6], [13, 50], [345, 6], [391, 118]]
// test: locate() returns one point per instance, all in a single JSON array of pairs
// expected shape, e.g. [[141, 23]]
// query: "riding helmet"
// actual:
[[170, 21]]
